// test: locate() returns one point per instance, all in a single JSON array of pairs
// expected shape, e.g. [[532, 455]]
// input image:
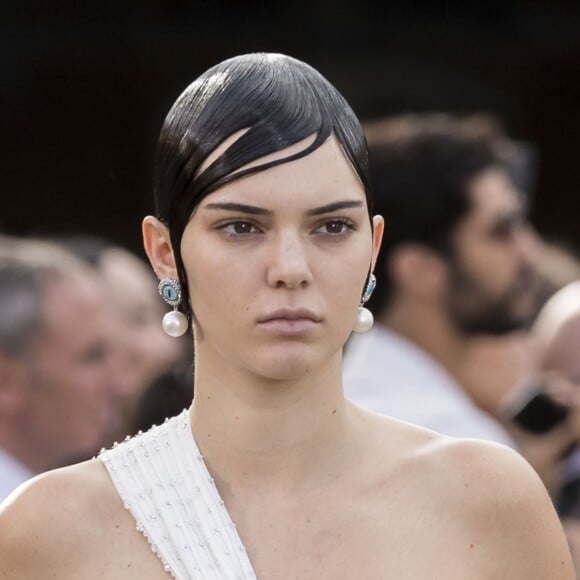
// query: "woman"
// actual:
[[264, 218]]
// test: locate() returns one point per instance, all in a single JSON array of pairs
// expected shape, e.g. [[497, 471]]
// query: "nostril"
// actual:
[[291, 283]]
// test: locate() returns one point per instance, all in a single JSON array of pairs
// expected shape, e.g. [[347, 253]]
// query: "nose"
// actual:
[[288, 262], [528, 244]]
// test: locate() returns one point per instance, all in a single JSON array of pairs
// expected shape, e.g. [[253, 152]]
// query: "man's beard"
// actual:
[[475, 312]]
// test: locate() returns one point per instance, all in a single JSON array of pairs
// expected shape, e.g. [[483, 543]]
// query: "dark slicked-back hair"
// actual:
[[277, 100], [421, 168]]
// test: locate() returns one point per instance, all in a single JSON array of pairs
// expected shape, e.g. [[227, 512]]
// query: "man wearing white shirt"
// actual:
[[455, 265], [58, 390], [425, 393], [13, 473]]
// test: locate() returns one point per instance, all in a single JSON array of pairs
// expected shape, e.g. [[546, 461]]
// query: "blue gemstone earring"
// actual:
[[364, 317], [174, 323]]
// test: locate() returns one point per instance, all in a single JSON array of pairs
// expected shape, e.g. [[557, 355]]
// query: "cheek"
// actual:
[[220, 293], [493, 255], [499, 270], [64, 395], [218, 278], [343, 284], [484, 262]]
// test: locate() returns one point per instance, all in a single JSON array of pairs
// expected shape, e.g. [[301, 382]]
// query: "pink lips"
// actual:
[[289, 321]]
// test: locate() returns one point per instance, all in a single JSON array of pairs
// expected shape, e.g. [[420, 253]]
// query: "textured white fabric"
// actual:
[[162, 479], [12, 474], [385, 373]]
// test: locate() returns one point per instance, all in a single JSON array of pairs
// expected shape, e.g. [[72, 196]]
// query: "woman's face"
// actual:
[[276, 264]]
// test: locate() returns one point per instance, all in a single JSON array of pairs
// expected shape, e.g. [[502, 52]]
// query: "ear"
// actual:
[[378, 229], [417, 270], [158, 247]]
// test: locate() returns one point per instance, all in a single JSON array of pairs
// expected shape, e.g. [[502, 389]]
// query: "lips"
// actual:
[[290, 321], [290, 314]]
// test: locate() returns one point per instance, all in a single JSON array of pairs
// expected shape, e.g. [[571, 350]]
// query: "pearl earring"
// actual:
[[174, 323], [364, 317]]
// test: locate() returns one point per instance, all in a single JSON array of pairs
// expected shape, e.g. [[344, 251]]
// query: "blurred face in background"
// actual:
[[72, 391], [144, 350], [492, 283]]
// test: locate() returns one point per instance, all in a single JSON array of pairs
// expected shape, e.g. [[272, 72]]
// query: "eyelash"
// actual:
[[233, 224], [350, 227]]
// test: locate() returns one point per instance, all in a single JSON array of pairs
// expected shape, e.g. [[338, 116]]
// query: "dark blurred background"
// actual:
[[85, 88]]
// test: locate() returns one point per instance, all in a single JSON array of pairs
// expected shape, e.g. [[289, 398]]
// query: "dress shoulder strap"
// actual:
[[163, 481]]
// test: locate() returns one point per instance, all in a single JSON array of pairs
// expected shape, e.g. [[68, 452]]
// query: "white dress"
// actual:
[[162, 480]]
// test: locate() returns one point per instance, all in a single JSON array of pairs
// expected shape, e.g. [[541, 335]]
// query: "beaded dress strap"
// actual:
[[163, 481]]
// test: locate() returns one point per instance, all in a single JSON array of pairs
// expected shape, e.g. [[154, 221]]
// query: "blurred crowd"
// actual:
[[477, 319], [475, 314], [81, 346]]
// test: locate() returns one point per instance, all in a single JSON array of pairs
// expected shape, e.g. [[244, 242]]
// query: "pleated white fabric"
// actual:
[[163, 481]]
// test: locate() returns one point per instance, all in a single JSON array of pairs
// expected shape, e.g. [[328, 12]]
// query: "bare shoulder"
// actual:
[[506, 507], [483, 475], [505, 522], [482, 509], [60, 512]]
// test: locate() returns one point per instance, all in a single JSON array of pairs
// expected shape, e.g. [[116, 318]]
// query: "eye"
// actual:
[[503, 231], [507, 229], [336, 227], [240, 228], [94, 354]]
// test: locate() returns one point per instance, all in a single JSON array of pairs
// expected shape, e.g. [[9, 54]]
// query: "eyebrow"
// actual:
[[507, 219], [334, 207], [241, 207], [513, 214], [255, 210]]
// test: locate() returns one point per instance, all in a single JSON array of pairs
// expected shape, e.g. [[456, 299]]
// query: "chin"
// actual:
[[286, 366], [291, 371]]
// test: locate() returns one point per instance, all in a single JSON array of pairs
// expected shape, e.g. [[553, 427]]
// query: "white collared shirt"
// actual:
[[386, 373], [12, 474]]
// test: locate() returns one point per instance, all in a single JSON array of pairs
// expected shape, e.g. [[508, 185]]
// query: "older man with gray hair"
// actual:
[[58, 388]]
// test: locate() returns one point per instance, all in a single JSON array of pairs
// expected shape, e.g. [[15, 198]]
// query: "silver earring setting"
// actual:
[[364, 317], [174, 323]]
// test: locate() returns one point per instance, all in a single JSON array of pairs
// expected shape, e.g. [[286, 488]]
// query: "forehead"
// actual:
[[322, 176], [70, 300], [492, 196], [127, 278]]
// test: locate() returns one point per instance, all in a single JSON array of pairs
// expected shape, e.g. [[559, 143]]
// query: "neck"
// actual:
[[259, 432], [430, 329]]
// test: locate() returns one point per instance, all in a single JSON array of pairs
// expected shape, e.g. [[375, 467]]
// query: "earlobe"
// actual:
[[158, 247]]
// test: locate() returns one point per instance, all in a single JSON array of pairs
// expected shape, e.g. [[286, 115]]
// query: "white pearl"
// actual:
[[364, 320], [175, 324]]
